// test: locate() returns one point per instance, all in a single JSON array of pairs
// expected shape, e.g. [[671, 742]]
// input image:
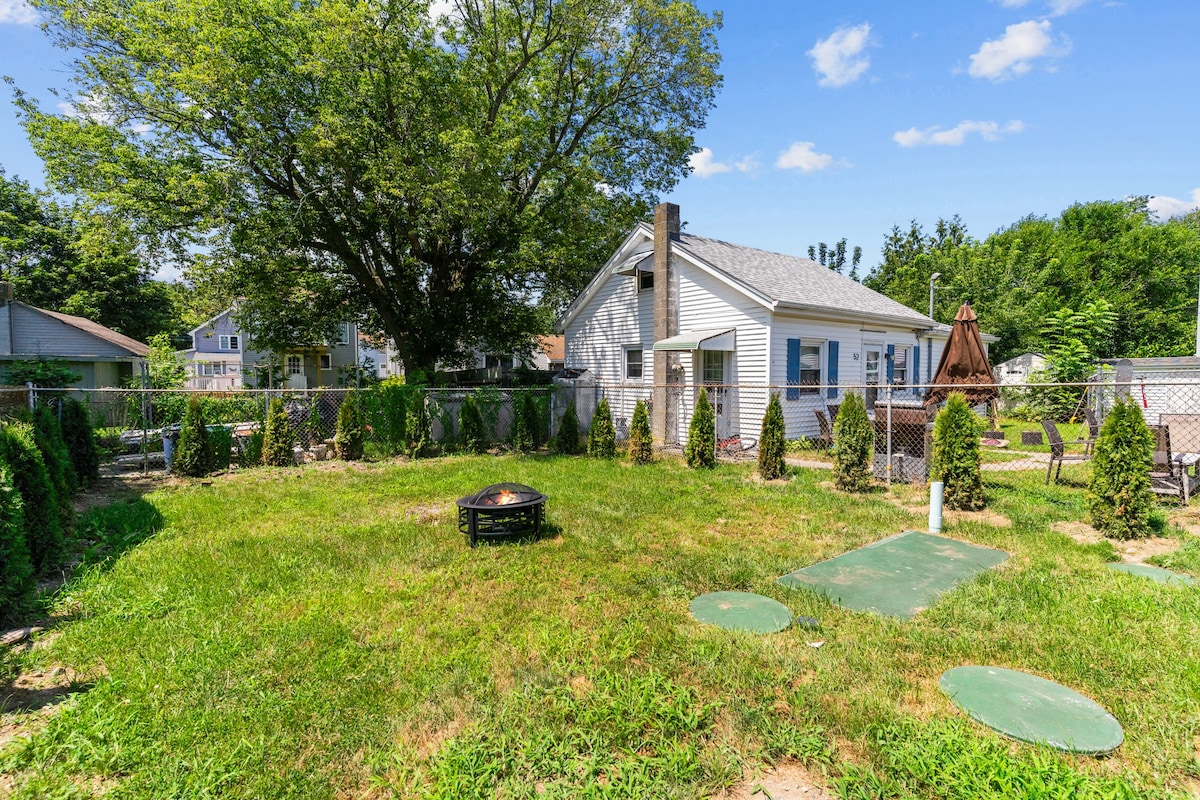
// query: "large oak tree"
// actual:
[[449, 175]]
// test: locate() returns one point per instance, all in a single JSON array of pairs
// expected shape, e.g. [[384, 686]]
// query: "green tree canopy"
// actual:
[[80, 263], [447, 179], [1021, 277]]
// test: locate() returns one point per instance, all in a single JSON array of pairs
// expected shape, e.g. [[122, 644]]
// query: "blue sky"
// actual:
[[846, 118]]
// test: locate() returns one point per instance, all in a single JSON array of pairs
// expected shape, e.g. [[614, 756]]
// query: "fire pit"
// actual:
[[500, 510]]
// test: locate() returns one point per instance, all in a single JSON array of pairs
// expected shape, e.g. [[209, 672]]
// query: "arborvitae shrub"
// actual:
[[348, 441], [956, 455], [772, 442], [16, 568], [602, 436], [221, 439], [853, 446], [278, 439], [537, 408], [194, 456], [524, 418], [1120, 499], [641, 441], [470, 426], [49, 438], [418, 426], [43, 519], [701, 451], [566, 441], [81, 442]]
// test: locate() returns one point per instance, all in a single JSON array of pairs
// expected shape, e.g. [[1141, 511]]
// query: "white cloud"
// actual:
[[17, 12], [1060, 7], [1163, 207], [747, 164], [953, 137], [1013, 53], [801, 156], [838, 58], [703, 165]]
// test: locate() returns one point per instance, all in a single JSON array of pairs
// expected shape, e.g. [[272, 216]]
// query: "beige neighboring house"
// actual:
[[103, 357]]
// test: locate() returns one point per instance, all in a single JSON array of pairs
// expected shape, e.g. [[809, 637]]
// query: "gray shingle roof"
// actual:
[[789, 279]]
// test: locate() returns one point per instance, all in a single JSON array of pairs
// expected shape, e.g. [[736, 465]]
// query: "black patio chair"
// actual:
[[1088, 438], [1058, 450], [1166, 474]]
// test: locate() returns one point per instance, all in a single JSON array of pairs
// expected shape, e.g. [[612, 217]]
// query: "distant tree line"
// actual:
[[1021, 278]]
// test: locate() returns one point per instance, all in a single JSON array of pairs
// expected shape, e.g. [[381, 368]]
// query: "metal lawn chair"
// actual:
[[825, 440], [1058, 450]]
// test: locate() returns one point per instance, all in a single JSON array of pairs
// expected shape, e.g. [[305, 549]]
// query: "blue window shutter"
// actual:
[[891, 364], [793, 368], [916, 366], [832, 377]]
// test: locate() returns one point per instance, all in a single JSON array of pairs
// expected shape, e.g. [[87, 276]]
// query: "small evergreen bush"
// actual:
[[16, 568], [602, 436], [81, 442], [43, 519], [641, 442], [348, 441], [538, 409], [278, 438], [470, 426], [956, 455], [853, 446], [194, 457], [49, 438], [250, 454], [1119, 498], [221, 439], [524, 420], [418, 426], [701, 451], [566, 441], [772, 442]]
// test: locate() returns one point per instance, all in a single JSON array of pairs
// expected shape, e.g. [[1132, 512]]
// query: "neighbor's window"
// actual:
[[900, 367], [230, 342], [343, 334], [810, 367], [326, 361], [633, 363], [293, 365], [645, 280]]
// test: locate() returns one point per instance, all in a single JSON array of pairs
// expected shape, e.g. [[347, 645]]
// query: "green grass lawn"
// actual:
[[326, 632]]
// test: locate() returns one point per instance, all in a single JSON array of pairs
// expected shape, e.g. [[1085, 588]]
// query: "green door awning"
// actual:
[[719, 339]]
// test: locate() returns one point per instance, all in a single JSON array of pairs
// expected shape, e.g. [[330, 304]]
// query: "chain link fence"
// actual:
[[1025, 434]]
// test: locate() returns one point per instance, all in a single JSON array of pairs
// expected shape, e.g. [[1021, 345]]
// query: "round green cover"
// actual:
[[741, 611], [1032, 709]]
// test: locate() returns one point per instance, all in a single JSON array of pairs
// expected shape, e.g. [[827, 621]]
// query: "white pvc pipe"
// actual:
[[935, 506]]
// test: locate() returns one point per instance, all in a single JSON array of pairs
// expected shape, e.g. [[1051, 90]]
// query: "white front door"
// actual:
[[293, 369], [713, 376], [872, 362]]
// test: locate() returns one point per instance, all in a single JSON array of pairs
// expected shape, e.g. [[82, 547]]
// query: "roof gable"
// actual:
[[133, 346]]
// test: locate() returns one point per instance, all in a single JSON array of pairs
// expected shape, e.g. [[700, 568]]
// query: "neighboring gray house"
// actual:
[[674, 308], [223, 357], [1016, 371], [103, 357]]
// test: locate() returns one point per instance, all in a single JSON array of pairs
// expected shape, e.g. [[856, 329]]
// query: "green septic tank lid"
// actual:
[[1032, 709], [741, 611], [1154, 573]]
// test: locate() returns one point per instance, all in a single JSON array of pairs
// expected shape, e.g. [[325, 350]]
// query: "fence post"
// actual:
[[888, 470], [32, 397], [146, 416]]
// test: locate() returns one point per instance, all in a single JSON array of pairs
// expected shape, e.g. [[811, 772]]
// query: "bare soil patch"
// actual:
[[788, 780], [985, 517], [1134, 551]]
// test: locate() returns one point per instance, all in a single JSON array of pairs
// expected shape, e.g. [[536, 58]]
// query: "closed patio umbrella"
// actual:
[[964, 364]]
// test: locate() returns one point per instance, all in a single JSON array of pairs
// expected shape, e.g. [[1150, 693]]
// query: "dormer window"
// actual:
[[231, 342]]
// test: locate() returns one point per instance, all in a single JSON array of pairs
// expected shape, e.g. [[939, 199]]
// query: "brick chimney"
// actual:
[[666, 323]]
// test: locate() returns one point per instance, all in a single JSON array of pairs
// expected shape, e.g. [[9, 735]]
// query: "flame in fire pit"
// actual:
[[504, 498]]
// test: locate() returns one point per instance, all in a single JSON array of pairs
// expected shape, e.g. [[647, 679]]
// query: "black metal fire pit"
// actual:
[[501, 510]]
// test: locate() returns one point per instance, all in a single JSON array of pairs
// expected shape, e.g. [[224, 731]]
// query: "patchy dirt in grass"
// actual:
[[1135, 551], [788, 780], [427, 514], [1187, 518], [31, 697], [113, 486], [984, 517]]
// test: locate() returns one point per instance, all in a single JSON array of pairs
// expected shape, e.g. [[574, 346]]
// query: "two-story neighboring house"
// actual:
[[223, 357]]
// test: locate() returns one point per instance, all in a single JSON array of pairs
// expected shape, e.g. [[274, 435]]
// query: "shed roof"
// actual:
[[134, 347]]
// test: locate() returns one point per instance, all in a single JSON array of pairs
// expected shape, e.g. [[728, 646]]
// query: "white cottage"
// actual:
[[672, 310]]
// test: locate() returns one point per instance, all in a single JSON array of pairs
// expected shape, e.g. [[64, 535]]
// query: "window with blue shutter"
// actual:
[[832, 379], [793, 369], [891, 364], [916, 376]]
